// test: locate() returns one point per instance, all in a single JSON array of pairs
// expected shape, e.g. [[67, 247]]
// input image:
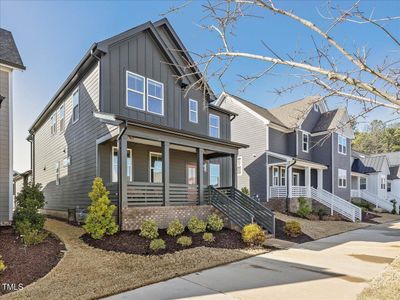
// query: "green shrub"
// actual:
[[394, 202], [2, 265], [366, 206], [304, 209], [175, 228], [149, 229], [215, 223], [196, 225], [208, 237], [157, 244], [184, 241], [292, 228], [28, 203], [321, 212], [245, 191], [100, 219], [253, 234]]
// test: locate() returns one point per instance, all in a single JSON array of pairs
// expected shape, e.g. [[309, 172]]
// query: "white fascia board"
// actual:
[[359, 174], [249, 110]]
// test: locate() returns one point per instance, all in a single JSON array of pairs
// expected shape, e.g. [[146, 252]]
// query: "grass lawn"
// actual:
[[87, 273]]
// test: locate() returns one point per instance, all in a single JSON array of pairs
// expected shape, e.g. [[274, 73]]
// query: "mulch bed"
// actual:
[[26, 264], [131, 242], [280, 234]]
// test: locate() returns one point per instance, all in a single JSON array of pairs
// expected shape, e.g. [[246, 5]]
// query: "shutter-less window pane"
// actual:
[[135, 91], [155, 97], [156, 167], [214, 126], [214, 174], [193, 111]]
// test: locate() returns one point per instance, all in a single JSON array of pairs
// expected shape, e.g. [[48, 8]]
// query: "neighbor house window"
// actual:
[[115, 164], [239, 166], [363, 183], [53, 123], [383, 183], [155, 97], [342, 144], [75, 106], [57, 173], [155, 167], [214, 125], [283, 176], [389, 186], [135, 91], [193, 111], [342, 178], [61, 113], [214, 174], [306, 138], [275, 176]]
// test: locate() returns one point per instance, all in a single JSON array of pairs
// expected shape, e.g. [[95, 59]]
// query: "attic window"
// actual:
[[306, 138]]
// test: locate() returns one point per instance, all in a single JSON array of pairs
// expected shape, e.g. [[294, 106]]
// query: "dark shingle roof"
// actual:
[[394, 173], [9, 54]]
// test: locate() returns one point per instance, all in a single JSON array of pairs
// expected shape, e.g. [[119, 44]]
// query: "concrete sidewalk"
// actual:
[[337, 267]]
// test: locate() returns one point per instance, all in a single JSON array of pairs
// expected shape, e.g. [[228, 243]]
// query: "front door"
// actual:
[[296, 179]]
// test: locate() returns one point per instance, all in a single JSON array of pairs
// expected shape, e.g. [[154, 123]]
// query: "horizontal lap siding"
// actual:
[[77, 141]]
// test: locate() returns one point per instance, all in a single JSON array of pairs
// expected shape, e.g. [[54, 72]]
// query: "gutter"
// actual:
[[287, 184], [120, 135]]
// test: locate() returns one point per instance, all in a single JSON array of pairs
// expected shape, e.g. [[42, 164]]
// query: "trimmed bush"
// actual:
[[175, 228], [253, 234], [196, 225], [184, 241], [208, 237], [149, 229], [157, 244], [304, 209], [30, 236], [245, 191], [2, 265], [100, 219], [292, 228], [215, 223]]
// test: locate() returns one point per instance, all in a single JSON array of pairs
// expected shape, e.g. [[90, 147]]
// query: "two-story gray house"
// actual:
[[10, 60], [300, 149], [131, 113]]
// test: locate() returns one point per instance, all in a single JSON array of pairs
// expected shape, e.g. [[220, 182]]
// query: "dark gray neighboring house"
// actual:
[[10, 60], [298, 149], [126, 114]]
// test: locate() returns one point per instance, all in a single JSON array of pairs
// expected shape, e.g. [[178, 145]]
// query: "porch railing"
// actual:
[[278, 192], [183, 194], [297, 191], [145, 194], [374, 199], [301, 191]]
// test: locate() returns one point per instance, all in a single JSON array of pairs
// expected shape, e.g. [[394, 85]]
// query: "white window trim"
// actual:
[[240, 165], [366, 183], [296, 174], [79, 105], [218, 127], [155, 154], [53, 123], [340, 177], [132, 90], [273, 176], [343, 138], [112, 164], [161, 99], [315, 106], [384, 182], [219, 174], [59, 109], [196, 111], [283, 177], [303, 133]]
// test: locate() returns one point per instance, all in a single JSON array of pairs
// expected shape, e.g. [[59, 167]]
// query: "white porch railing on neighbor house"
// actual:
[[374, 199], [297, 191], [337, 204], [301, 191], [278, 191]]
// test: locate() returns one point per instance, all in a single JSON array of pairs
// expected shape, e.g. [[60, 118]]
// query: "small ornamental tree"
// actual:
[[100, 218]]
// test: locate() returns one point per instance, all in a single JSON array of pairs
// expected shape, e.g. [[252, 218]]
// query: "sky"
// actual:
[[52, 36]]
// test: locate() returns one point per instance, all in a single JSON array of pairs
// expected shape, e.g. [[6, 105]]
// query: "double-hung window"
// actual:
[[75, 106], [156, 167], [275, 176], [342, 178], [342, 144], [383, 183], [115, 164], [306, 140], [283, 176], [155, 97], [135, 91], [389, 187], [363, 183], [53, 123], [61, 114], [214, 174], [193, 111], [239, 166], [214, 126]]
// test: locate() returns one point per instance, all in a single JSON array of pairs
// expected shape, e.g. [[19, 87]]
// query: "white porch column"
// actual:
[[358, 186], [308, 181], [290, 181], [320, 179]]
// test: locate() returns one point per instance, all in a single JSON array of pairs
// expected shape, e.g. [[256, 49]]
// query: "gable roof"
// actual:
[[368, 163], [9, 54], [330, 120]]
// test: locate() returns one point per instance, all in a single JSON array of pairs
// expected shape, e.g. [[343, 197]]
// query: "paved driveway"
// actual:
[[337, 267]]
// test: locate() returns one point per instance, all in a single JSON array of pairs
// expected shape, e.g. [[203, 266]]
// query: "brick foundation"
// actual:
[[279, 204], [132, 217]]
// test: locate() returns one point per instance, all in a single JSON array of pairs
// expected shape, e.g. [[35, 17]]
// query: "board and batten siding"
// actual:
[[5, 149], [248, 129], [78, 142], [141, 55]]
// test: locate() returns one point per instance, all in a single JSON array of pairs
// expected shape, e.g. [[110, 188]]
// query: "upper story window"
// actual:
[[383, 183], [53, 123], [342, 144], [389, 186], [239, 166], [214, 126], [342, 178], [306, 140], [61, 114], [155, 97], [75, 106], [135, 90], [193, 111]]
